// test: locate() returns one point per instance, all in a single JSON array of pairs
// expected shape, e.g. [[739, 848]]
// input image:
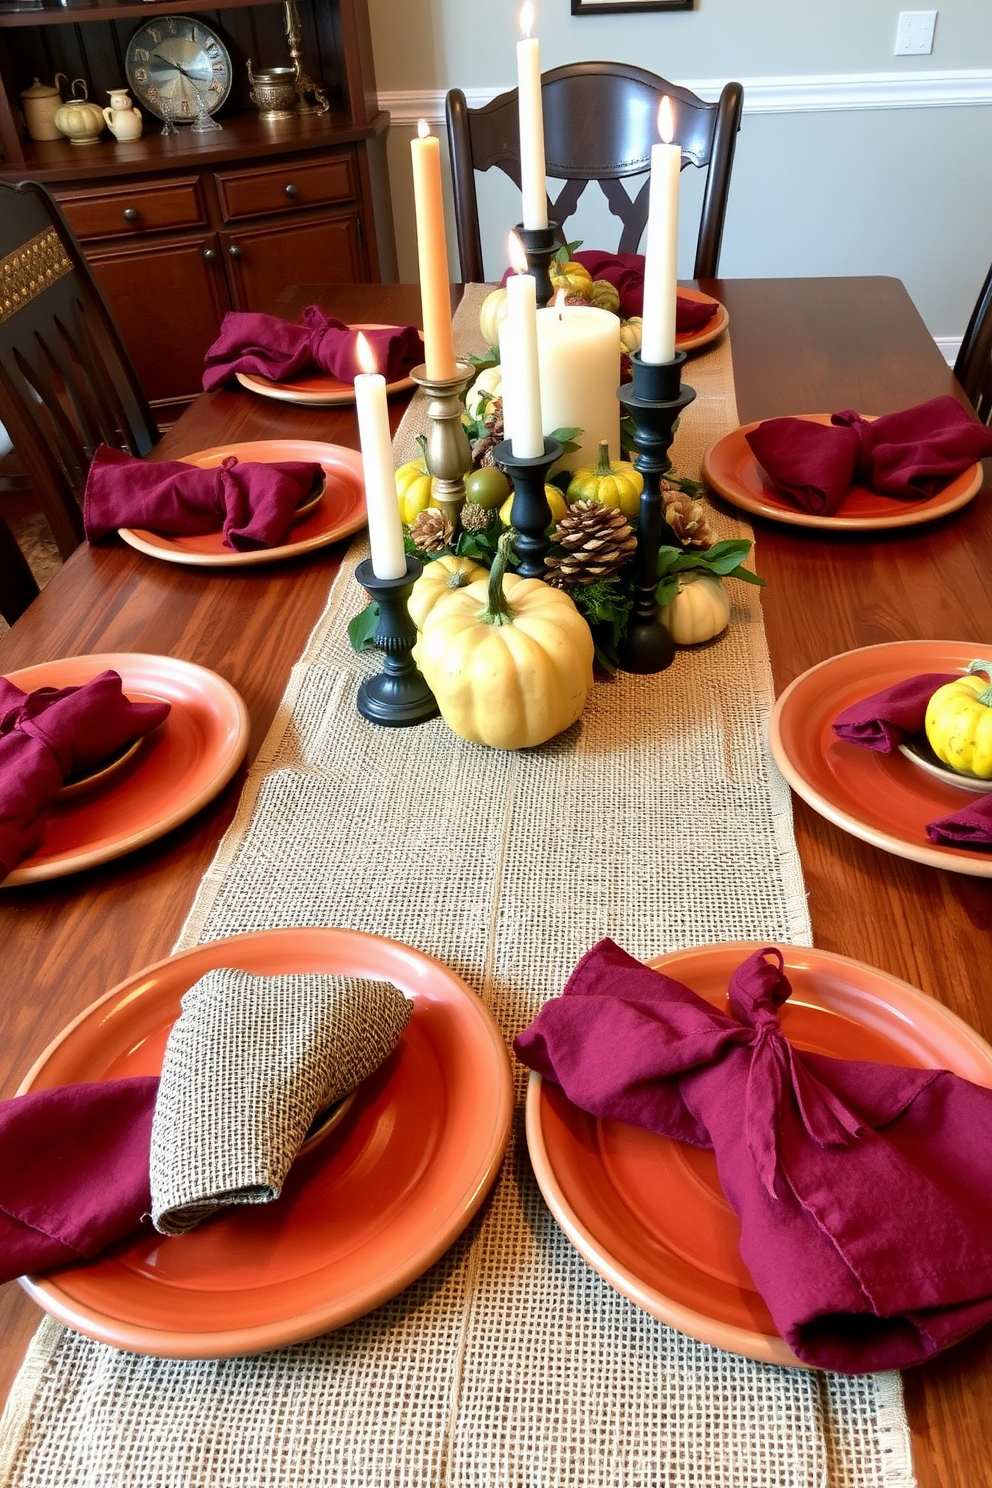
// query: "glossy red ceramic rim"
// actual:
[[845, 1003], [884, 799]]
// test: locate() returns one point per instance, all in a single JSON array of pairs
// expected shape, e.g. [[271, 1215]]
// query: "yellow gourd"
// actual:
[[611, 482], [414, 485], [699, 611], [959, 722], [492, 311], [605, 296], [440, 578], [572, 277], [509, 660], [555, 499], [631, 333]]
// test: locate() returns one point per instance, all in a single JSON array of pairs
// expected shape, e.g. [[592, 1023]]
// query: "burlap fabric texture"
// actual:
[[247, 1067], [657, 819]]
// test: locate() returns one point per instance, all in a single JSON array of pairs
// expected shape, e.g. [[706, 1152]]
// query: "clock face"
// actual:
[[170, 60]]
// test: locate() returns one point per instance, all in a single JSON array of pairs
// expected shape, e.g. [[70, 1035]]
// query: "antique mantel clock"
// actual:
[[173, 58]]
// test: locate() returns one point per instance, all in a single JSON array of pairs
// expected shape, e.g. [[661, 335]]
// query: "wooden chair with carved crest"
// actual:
[[973, 367], [600, 121], [66, 380]]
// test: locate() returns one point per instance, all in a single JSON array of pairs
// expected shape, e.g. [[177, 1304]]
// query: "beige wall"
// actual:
[[853, 182]]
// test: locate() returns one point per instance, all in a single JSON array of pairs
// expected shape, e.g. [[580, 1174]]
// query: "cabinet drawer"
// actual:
[[281, 188], [119, 210]]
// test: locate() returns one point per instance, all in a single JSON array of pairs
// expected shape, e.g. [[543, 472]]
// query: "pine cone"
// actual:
[[494, 418], [687, 519], [482, 452], [432, 531], [475, 518], [595, 543]]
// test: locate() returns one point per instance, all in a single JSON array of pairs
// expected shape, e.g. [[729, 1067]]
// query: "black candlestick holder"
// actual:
[[530, 513], [398, 695], [654, 400], [540, 245]]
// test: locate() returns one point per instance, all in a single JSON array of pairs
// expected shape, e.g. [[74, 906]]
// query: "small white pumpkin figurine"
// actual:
[[699, 611]]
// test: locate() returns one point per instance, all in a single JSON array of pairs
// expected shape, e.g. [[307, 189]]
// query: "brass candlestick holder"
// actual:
[[449, 454], [304, 85], [654, 399]]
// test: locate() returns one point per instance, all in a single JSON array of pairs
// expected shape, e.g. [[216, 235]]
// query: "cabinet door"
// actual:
[[309, 250], [168, 297]]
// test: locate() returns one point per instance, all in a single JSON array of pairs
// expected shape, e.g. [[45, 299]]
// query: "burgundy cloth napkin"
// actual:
[[265, 346], [74, 1171], [51, 734], [912, 454], [252, 502], [625, 271], [882, 721], [864, 1190]]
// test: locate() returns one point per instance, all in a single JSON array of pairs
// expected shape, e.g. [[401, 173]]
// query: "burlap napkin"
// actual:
[[248, 1065]]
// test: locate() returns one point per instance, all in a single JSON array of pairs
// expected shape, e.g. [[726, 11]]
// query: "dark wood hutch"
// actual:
[[181, 228]]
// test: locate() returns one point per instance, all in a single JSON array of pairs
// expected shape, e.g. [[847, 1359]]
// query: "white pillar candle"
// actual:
[[661, 247], [385, 527], [432, 252], [578, 351], [521, 387], [533, 188]]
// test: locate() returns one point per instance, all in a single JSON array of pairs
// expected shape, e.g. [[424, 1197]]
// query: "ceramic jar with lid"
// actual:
[[123, 119], [81, 121], [41, 102]]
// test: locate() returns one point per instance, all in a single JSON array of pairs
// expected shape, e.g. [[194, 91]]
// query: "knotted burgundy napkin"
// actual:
[[253, 503], [265, 346], [864, 1190], [912, 454], [47, 736], [625, 271], [883, 720], [74, 1171]]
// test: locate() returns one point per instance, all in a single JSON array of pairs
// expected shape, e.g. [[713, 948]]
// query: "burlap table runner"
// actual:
[[657, 819]]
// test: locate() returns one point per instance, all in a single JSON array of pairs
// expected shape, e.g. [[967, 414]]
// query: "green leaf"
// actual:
[[667, 589], [480, 363], [606, 603], [747, 576], [562, 479], [565, 435], [362, 627]]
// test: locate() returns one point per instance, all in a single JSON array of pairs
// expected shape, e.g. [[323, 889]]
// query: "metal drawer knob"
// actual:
[[234, 251], [130, 214], [292, 190], [209, 255]]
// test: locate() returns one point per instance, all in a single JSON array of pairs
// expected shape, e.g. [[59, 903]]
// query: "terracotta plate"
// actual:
[[364, 1212], [692, 340], [730, 468], [176, 769], [648, 1213], [885, 799], [321, 390], [340, 512]]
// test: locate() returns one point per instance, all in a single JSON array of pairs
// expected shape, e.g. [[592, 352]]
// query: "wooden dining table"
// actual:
[[799, 345]]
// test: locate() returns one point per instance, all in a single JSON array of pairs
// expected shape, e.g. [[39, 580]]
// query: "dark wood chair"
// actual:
[[18, 586], [66, 380], [973, 367], [600, 121]]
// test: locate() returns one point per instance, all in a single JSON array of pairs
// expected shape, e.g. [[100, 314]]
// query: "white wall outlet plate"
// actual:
[[914, 34]]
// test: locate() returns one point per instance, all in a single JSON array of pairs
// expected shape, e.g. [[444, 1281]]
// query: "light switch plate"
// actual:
[[914, 34]]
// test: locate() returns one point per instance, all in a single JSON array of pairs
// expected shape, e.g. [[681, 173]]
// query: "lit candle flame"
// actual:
[[364, 354], [527, 17], [517, 255], [666, 120], [560, 302], [423, 129]]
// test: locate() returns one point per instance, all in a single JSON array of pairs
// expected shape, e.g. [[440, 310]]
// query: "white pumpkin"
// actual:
[[699, 611], [631, 332], [487, 386], [492, 311]]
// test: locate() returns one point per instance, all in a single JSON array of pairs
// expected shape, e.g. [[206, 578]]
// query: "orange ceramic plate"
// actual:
[[731, 468], [691, 340], [362, 1214], [648, 1213], [885, 799], [177, 768], [322, 390], [338, 514]]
